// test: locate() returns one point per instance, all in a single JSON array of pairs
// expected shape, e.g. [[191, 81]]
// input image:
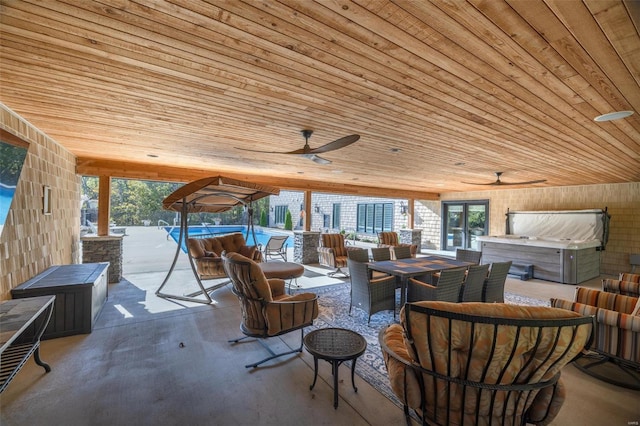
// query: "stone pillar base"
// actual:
[[104, 249], [305, 246], [411, 236]]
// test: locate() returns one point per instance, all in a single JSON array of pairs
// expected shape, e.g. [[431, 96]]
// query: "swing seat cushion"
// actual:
[[206, 253]]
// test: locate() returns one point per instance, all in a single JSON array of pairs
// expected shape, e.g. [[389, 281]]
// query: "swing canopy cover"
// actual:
[[215, 194]]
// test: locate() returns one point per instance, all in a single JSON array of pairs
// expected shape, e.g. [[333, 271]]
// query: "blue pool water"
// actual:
[[6, 194], [262, 235]]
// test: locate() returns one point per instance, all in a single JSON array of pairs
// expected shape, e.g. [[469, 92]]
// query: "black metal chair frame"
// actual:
[[595, 358], [530, 389], [261, 336]]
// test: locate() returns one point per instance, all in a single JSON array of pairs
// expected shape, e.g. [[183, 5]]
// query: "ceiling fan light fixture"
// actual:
[[613, 116]]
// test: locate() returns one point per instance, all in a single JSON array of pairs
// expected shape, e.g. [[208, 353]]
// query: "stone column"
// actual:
[[411, 236], [97, 249], [305, 246]]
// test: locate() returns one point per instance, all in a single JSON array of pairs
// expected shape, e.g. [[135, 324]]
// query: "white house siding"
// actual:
[[324, 204]]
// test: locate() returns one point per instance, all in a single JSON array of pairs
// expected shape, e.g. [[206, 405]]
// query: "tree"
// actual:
[[288, 223], [263, 218]]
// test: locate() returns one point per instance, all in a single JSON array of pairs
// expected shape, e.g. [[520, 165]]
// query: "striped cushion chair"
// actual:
[[390, 239], [635, 278], [333, 253], [626, 288], [617, 338]]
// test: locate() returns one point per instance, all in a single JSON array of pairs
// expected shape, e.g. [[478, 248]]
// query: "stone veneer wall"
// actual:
[[32, 241], [411, 236], [428, 218], [104, 249], [622, 201], [305, 247]]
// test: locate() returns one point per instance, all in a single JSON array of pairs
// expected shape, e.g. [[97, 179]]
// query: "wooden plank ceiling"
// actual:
[[440, 92]]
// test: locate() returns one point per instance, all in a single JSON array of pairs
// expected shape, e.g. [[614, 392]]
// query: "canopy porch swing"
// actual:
[[209, 195]]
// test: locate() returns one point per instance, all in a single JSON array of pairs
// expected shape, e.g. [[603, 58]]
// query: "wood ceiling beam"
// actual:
[[143, 171]]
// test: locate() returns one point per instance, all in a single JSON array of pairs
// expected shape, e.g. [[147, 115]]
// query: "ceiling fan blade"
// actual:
[[529, 182], [485, 184], [316, 159], [309, 153], [499, 182], [337, 144], [297, 151]]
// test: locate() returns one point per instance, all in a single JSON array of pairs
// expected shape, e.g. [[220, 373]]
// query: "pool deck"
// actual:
[[148, 255]]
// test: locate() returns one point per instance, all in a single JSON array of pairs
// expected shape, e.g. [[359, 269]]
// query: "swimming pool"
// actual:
[[6, 195], [262, 235]]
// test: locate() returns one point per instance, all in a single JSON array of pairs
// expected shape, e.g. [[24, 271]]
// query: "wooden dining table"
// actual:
[[403, 269]]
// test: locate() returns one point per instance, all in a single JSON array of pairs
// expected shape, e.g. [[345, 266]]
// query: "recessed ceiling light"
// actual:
[[613, 116], [459, 164], [152, 155], [300, 173], [395, 150]]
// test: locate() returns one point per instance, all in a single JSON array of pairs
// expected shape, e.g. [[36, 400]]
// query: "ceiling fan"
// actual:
[[499, 182], [310, 153]]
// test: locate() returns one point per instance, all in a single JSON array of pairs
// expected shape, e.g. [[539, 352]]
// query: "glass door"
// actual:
[[463, 222]]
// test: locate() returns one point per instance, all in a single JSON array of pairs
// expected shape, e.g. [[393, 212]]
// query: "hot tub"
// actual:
[[562, 246]]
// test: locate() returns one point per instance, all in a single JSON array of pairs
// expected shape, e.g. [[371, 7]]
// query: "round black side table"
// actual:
[[335, 345]]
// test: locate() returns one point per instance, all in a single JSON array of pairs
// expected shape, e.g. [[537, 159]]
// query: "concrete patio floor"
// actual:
[[152, 361]]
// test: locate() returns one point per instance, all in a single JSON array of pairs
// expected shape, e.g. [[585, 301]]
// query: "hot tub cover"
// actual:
[[215, 194], [580, 225], [574, 229]]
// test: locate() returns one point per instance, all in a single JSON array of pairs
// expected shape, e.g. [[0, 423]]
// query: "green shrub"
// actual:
[[263, 218], [288, 223]]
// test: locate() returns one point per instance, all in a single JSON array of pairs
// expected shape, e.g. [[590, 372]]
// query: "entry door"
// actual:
[[463, 222]]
